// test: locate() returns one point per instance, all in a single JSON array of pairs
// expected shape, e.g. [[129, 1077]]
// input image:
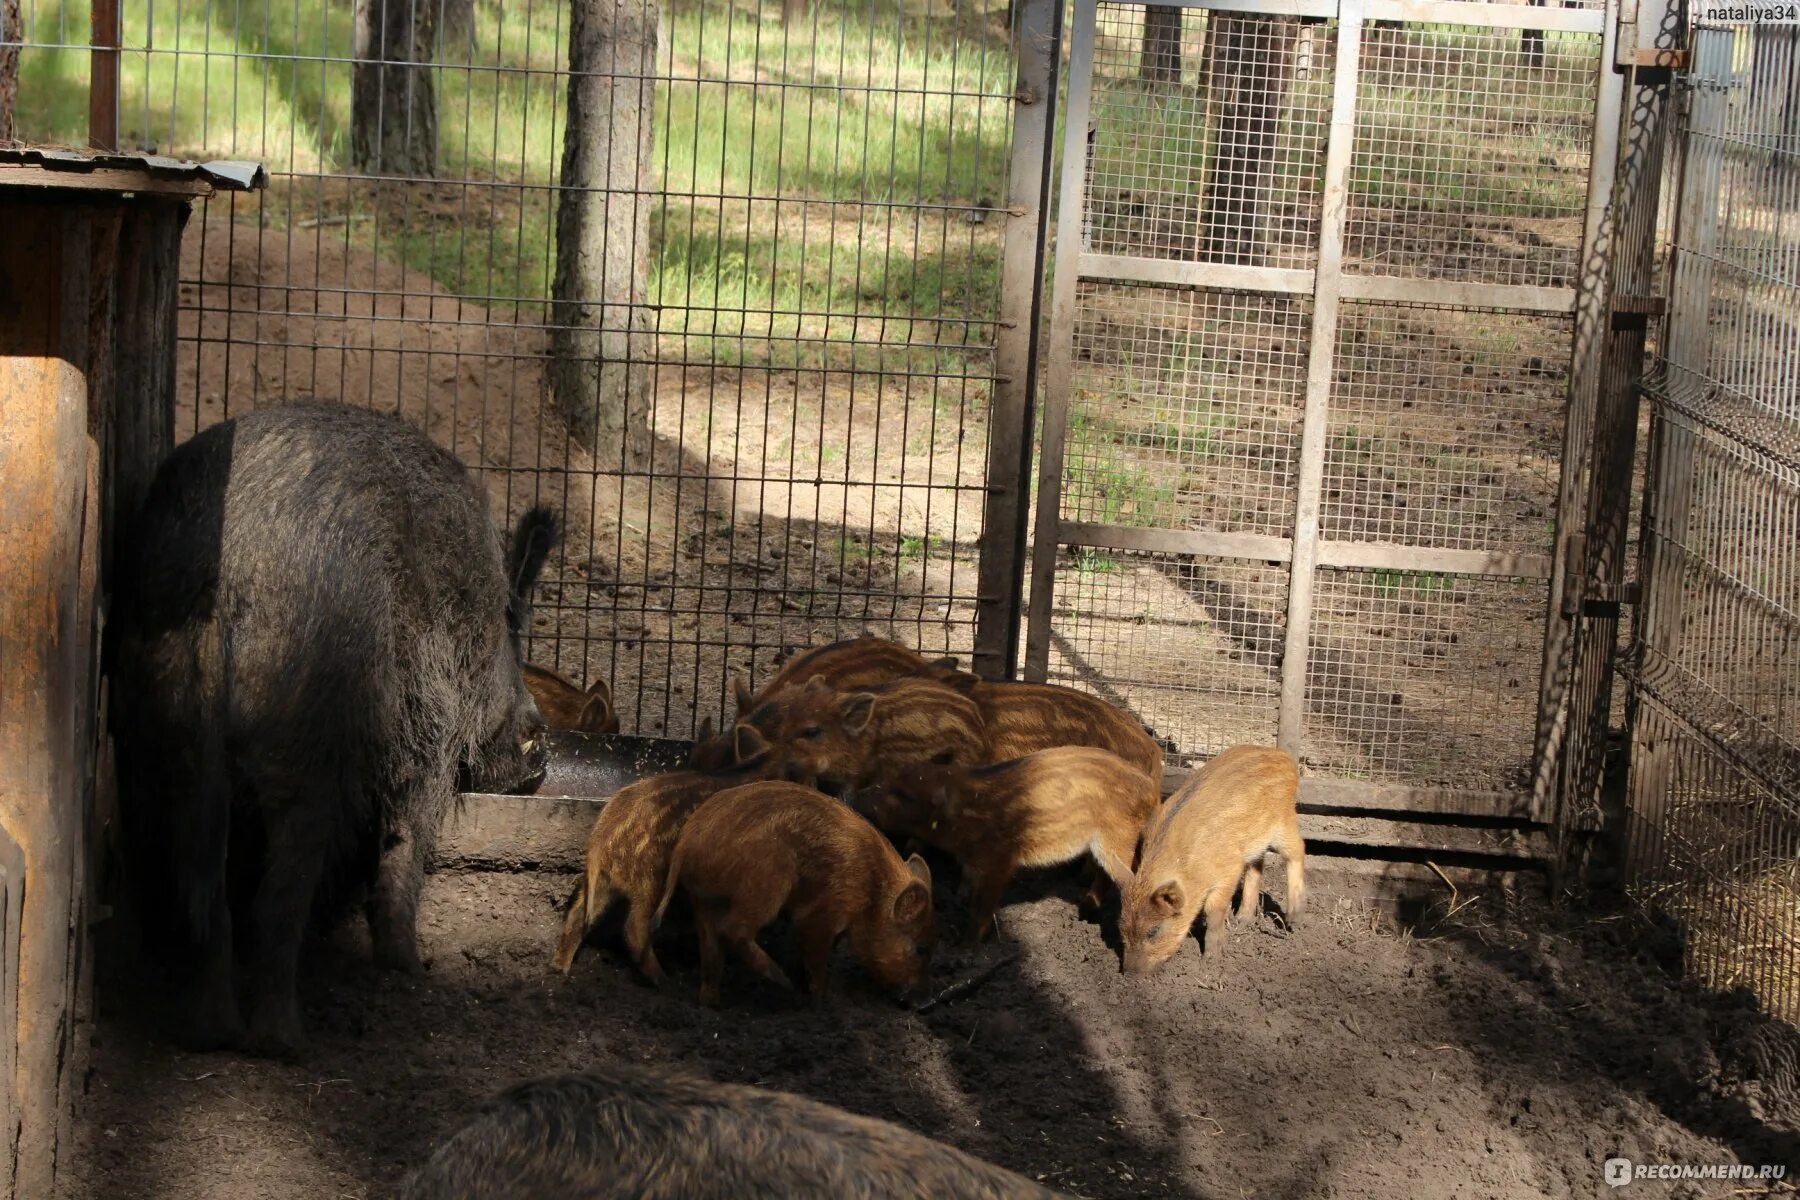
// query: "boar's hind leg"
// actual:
[[284, 898], [640, 922], [1252, 895], [393, 912]]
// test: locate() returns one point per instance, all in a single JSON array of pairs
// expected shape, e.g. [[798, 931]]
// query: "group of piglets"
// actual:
[[851, 745]]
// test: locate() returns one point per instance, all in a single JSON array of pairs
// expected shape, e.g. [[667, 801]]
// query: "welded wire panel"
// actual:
[[1715, 789], [1719, 855], [801, 208], [1189, 643], [1471, 154], [1185, 408], [1446, 427], [1424, 678], [1207, 135], [1746, 267], [1734, 663]]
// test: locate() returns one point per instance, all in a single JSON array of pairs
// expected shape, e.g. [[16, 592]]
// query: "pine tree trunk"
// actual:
[[1248, 63], [602, 343], [12, 29], [1159, 58], [393, 108]]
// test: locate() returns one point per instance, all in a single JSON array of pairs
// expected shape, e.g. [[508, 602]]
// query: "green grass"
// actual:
[[738, 277], [799, 177]]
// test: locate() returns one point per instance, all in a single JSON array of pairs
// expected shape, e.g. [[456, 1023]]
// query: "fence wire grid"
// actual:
[[720, 279], [1714, 804]]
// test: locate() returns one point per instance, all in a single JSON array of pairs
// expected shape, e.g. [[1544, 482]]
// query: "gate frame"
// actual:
[[1561, 567]]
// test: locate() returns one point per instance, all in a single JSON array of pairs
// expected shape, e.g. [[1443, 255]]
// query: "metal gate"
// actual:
[[1309, 436]]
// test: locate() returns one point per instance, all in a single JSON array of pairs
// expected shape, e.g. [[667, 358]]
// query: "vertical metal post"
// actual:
[[103, 81], [1071, 201], [1592, 308], [1320, 363], [1037, 42], [1631, 260]]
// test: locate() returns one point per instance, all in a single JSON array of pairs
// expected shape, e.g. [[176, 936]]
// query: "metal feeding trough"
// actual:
[[547, 830]]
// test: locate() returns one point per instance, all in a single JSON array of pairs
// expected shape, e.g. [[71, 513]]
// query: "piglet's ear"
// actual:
[[749, 744], [742, 690], [913, 902], [857, 711], [919, 869], [1165, 901]]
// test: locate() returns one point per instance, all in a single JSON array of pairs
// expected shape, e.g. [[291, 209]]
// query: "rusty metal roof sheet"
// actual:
[[225, 175]]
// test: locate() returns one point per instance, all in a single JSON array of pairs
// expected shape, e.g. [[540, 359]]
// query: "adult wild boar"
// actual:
[[317, 640], [630, 1133]]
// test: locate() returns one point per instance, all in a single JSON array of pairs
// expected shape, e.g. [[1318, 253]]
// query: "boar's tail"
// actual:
[[532, 541], [662, 906]]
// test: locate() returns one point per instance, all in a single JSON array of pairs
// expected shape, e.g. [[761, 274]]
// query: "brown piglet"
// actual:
[[753, 852], [1022, 718], [1043, 809], [628, 854], [565, 706], [1214, 831], [848, 666]]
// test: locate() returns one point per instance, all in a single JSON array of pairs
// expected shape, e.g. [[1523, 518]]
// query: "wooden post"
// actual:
[[48, 509]]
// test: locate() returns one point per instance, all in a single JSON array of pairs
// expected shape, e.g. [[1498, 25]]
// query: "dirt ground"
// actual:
[[1492, 1055]]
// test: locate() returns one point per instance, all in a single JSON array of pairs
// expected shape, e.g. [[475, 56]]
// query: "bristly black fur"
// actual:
[[311, 648], [621, 1132]]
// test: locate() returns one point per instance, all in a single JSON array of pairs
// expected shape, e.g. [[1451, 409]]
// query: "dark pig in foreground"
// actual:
[[753, 852], [317, 642], [564, 705], [619, 1133], [628, 855], [1044, 809], [1213, 832]]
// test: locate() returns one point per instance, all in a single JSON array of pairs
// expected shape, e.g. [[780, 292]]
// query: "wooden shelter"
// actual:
[[88, 274]]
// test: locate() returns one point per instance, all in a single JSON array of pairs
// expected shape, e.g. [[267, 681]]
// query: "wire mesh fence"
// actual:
[[720, 279], [1378, 395], [1714, 804]]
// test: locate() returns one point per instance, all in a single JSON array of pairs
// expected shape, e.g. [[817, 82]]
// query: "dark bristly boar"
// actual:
[[628, 854], [1022, 718], [565, 706], [318, 636], [1044, 809], [753, 852], [631, 1133], [1210, 834]]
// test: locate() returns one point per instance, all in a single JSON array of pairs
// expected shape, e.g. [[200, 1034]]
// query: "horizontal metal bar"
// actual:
[[1268, 548], [1366, 795], [1259, 546], [1428, 12], [1396, 289], [1487, 16], [1393, 557], [1132, 269], [1279, 8]]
